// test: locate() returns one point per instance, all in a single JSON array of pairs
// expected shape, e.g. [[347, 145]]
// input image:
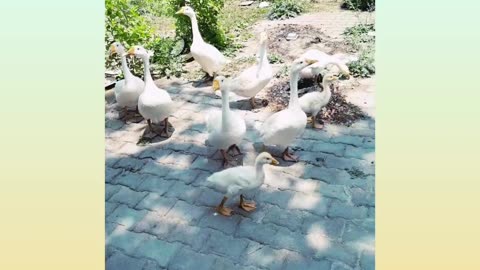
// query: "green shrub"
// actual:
[[358, 36], [364, 5], [284, 9], [207, 12], [364, 67]]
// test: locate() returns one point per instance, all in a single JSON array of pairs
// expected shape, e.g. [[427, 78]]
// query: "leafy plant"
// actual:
[[364, 5], [357, 36], [364, 67], [275, 59], [284, 9], [207, 12]]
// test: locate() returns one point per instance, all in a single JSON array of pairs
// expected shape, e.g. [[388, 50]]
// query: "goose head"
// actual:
[[266, 158], [330, 78], [187, 11], [140, 52], [221, 83], [301, 63], [117, 48]]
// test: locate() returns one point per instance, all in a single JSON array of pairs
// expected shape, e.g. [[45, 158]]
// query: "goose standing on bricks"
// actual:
[[226, 129], [282, 127], [129, 89], [154, 104], [210, 58]]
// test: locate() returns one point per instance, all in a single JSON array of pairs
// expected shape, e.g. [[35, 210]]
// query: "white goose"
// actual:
[[281, 128], [129, 89], [313, 102], [234, 181], [324, 62], [154, 104], [210, 58], [226, 129], [255, 78]]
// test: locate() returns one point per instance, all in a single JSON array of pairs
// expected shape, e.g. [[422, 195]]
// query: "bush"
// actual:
[[284, 9], [124, 24], [364, 5], [207, 12], [364, 67]]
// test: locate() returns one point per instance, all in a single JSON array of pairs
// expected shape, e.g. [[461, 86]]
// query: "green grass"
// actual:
[[359, 40]]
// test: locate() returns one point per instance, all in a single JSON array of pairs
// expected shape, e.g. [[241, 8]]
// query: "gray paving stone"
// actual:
[[206, 164], [349, 163], [330, 148], [158, 185], [131, 180], [157, 203], [227, 225], [192, 236], [369, 143], [130, 164], [121, 261], [224, 245], [306, 264], [362, 197], [110, 173], [201, 179], [187, 259], [110, 190], [110, 227], [186, 212], [125, 240], [338, 252], [109, 207], [350, 140], [156, 224], [160, 251], [155, 168], [339, 209], [341, 266], [114, 124], [265, 257], [184, 192], [328, 175], [356, 233], [261, 233], [130, 149], [128, 196], [154, 153], [290, 219], [333, 191], [179, 160], [371, 212], [367, 261], [333, 228], [211, 198], [367, 154], [283, 181], [126, 216], [295, 241], [186, 176], [276, 197], [224, 264], [152, 265]]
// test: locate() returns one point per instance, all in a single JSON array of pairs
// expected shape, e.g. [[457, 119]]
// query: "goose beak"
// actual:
[[131, 51], [113, 49], [311, 61], [216, 85], [274, 162], [181, 11]]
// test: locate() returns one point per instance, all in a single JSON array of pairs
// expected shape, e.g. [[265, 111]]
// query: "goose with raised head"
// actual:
[[238, 180], [210, 58], [129, 89], [324, 63], [282, 127], [313, 102], [253, 79], [154, 104], [226, 128]]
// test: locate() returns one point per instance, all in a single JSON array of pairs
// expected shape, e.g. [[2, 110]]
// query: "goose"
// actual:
[[255, 78], [313, 102], [226, 129], [282, 127], [154, 104], [324, 61], [210, 58], [129, 89], [238, 180]]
